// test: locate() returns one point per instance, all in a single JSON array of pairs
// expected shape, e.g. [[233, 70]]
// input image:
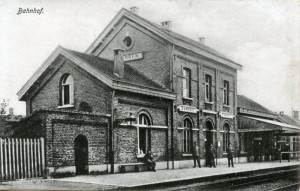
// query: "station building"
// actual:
[[263, 134], [139, 86]]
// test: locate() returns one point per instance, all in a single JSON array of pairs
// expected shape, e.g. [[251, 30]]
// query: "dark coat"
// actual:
[[148, 158], [196, 151], [230, 152]]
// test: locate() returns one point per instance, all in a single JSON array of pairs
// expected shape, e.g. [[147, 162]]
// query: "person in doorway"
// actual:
[[230, 155], [212, 156], [196, 155], [149, 161]]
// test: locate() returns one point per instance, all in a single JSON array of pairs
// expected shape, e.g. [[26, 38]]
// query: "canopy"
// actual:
[[277, 126]]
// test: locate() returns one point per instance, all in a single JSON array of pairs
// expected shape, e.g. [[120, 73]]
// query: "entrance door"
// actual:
[[209, 140], [257, 150], [81, 154]]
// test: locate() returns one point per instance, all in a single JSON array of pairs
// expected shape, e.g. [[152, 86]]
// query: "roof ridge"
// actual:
[[199, 45], [106, 59]]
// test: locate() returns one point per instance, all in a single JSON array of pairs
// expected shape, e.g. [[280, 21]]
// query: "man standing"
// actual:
[[196, 155], [212, 156], [149, 161], [230, 155]]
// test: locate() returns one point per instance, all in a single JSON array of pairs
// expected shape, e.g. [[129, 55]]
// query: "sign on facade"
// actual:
[[226, 115], [189, 109], [135, 56]]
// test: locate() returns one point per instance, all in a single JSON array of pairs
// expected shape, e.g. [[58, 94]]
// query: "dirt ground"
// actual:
[[43, 184]]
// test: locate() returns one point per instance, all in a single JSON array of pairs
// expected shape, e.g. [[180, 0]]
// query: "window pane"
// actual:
[[66, 92]]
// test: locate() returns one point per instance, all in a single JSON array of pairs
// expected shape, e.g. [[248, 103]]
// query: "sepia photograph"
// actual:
[[150, 95]]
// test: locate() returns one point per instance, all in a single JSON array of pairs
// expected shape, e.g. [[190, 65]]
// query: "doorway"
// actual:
[[257, 150], [81, 154], [209, 140]]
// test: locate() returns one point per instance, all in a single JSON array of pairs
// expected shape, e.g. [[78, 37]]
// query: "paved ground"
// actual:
[[110, 181]]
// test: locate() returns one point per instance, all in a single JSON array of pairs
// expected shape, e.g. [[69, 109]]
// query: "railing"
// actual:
[[289, 155], [21, 158]]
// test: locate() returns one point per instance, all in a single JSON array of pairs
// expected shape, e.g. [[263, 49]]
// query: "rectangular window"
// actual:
[[226, 93], [186, 82], [208, 88]]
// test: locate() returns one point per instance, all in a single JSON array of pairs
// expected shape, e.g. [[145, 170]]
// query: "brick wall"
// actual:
[[200, 66], [126, 136], [156, 51], [86, 88]]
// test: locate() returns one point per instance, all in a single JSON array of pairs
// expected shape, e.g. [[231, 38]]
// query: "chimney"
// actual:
[[281, 113], [119, 62], [11, 111], [202, 40], [167, 25], [296, 115], [134, 10]]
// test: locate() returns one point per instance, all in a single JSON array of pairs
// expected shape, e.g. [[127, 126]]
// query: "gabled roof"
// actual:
[[247, 103], [102, 69], [168, 35], [289, 120], [107, 66]]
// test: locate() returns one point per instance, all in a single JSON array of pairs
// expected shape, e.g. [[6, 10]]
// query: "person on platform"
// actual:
[[230, 152], [212, 156], [149, 161], [196, 155]]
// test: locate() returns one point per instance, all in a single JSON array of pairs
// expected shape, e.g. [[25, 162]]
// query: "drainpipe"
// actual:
[[112, 154], [172, 136]]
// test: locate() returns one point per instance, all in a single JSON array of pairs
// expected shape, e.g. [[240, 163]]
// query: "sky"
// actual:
[[261, 35]]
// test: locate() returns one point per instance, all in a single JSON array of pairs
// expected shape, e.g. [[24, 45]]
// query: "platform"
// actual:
[[143, 179]]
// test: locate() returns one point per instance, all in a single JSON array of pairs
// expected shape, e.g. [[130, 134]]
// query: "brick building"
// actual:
[[178, 91]]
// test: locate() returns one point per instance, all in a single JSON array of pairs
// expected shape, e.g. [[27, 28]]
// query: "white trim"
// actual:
[[209, 111], [141, 90], [195, 129], [180, 128], [282, 125], [209, 130], [145, 126], [187, 155], [64, 106], [233, 132], [188, 98], [140, 155]]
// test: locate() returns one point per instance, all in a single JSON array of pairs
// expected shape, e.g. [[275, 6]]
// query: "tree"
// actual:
[[3, 105]]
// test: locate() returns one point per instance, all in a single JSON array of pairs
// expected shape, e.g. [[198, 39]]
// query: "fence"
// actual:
[[21, 158]]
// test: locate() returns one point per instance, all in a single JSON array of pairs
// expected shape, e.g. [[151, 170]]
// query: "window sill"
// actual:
[[187, 98], [227, 106], [209, 102], [140, 155], [65, 106], [187, 155]]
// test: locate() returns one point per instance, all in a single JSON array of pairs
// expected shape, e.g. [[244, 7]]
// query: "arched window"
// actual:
[[187, 135], [67, 90], [226, 140], [144, 135]]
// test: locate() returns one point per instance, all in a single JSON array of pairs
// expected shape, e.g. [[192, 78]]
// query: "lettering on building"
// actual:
[[188, 109], [135, 56]]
